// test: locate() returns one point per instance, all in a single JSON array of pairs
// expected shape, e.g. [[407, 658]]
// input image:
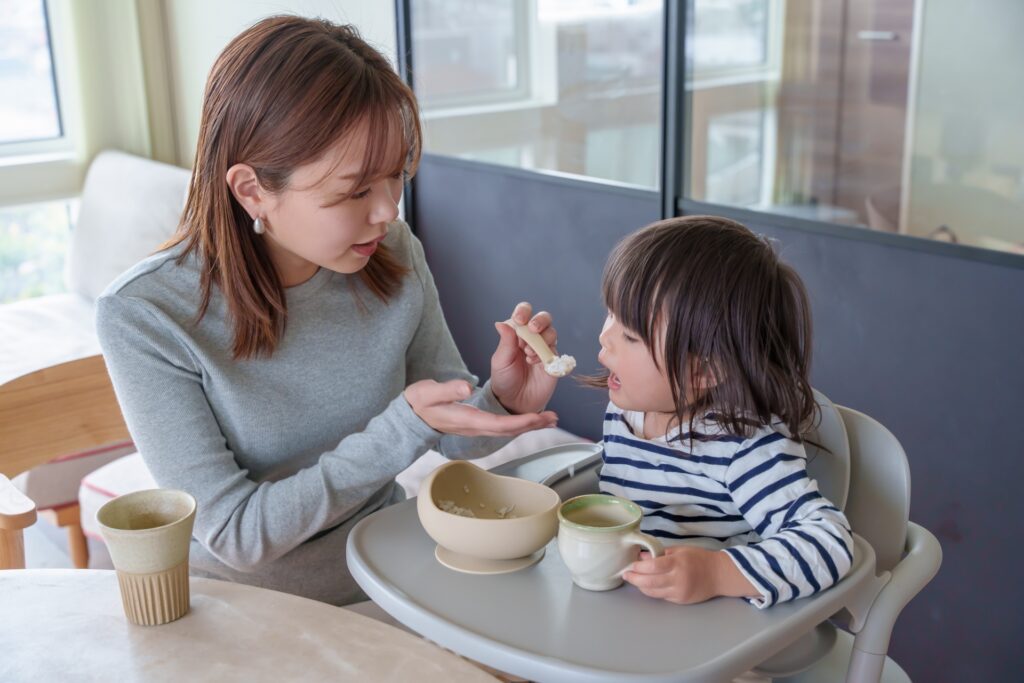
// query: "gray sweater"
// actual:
[[283, 454]]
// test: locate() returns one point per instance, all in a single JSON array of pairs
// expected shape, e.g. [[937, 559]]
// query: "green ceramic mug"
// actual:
[[599, 538]]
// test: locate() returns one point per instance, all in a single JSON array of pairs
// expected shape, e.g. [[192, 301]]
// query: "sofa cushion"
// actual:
[[45, 331], [130, 206]]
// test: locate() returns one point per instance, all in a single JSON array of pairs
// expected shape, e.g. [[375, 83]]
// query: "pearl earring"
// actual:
[[258, 227]]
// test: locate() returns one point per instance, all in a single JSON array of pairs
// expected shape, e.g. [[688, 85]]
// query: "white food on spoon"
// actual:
[[556, 366]]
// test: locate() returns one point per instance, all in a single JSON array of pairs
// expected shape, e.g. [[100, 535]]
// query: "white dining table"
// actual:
[[68, 624]]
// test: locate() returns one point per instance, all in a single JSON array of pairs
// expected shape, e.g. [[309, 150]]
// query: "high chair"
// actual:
[[535, 624], [861, 467], [66, 408]]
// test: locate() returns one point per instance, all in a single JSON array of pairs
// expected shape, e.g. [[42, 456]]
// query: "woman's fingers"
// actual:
[[438, 404], [471, 421], [521, 313], [541, 324], [509, 346], [427, 392]]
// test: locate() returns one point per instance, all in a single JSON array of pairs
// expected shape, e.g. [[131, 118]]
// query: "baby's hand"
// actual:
[[687, 574], [683, 575]]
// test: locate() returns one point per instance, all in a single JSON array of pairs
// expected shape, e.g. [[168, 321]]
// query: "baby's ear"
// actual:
[[707, 375]]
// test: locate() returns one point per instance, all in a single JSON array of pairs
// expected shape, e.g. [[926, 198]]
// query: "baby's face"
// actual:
[[635, 382]]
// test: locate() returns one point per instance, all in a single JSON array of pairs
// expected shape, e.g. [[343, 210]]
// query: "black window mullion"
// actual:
[[673, 110], [403, 57]]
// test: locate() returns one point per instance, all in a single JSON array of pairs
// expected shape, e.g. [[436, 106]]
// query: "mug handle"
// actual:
[[652, 544]]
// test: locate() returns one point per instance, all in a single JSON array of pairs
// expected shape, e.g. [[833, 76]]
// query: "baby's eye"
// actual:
[[628, 337], [360, 195]]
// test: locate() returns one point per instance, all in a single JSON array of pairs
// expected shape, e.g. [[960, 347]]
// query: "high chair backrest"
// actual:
[[878, 507], [828, 452]]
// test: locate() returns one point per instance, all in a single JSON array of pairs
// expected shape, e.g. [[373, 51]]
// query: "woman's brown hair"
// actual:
[[280, 95], [720, 304]]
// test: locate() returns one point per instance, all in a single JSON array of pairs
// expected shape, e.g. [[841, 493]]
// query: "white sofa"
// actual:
[[129, 207]]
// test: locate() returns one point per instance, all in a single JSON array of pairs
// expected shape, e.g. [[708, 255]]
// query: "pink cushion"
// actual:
[[55, 484], [124, 475]]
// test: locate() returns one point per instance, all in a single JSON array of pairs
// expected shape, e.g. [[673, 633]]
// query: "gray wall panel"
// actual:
[[927, 343], [493, 240]]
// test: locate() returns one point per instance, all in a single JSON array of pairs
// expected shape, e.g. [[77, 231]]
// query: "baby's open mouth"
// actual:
[[367, 248]]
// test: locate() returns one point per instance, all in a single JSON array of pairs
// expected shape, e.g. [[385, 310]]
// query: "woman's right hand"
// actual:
[[438, 404]]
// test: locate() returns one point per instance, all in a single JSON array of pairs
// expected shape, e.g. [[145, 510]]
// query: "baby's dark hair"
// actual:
[[732, 311]]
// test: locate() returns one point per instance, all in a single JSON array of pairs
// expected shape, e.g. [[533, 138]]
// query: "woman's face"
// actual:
[[308, 228], [634, 382]]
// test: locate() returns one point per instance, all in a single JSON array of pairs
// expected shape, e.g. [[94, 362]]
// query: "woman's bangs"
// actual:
[[392, 143]]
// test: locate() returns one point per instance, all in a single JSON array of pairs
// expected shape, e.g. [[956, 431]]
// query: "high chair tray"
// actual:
[[535, 623]]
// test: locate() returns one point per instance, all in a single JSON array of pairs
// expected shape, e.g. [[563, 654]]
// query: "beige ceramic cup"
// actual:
[[599, 538], [148, 535]]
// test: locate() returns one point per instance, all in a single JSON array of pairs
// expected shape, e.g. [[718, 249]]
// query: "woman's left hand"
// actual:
[[518, 379]]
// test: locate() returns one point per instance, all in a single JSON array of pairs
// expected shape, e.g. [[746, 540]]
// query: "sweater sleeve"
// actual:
[[806, 544], [243, 523], [433, 355]]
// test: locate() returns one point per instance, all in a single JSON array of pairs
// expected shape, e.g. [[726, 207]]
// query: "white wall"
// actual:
[[197, 30]]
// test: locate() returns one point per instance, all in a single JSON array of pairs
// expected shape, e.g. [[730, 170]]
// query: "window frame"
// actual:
[[63, 145], [51, 169], [524, 30]]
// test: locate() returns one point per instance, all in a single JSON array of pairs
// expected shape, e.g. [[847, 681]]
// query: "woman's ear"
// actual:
[[245, 186]]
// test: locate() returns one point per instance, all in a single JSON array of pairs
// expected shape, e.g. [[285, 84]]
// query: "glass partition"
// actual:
[[896, 115], [572, 86]]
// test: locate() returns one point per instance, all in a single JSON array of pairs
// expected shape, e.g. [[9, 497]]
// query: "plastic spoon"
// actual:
[[556, 366]]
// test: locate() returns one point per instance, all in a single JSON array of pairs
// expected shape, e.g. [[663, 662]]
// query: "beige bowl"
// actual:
[[530, 521]]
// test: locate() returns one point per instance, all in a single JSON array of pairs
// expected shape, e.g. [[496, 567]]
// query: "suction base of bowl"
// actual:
[[476, 565]]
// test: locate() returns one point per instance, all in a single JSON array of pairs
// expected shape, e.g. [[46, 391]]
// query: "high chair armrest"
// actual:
[[17, 511], [912, 573]]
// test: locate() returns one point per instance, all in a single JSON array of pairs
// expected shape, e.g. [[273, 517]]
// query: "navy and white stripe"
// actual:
[[752, 497]]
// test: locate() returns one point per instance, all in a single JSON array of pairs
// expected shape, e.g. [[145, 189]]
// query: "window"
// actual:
[[572, 86], [470, 53], [34, 242], [859, 113], [30, 110], [730, 35]]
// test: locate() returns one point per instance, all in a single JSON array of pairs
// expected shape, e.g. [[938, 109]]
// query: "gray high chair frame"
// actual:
[[858, 464]]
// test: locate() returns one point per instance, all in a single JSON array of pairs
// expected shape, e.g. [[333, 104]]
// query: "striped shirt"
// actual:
[[752, 497]]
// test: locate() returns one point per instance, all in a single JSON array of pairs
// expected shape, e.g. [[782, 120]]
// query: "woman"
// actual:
[[277, 359]]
